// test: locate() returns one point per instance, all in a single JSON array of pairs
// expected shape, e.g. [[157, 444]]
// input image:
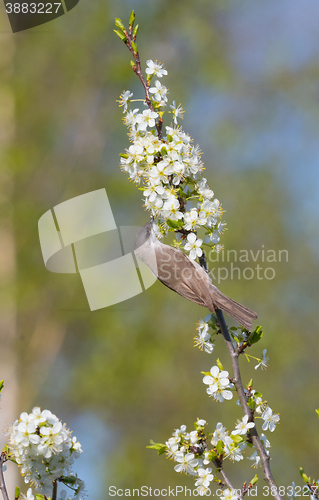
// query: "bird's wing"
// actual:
[[178, 272]]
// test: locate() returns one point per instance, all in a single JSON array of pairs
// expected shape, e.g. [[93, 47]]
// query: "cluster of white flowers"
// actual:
[[188, 449], [218, 384], [169, 170], [203, 339], [44, 449]]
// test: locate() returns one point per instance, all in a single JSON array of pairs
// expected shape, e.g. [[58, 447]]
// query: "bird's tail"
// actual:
[[240, 313]]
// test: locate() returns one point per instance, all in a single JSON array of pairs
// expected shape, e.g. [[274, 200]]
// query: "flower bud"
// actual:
[[119, 24], [121, 36]]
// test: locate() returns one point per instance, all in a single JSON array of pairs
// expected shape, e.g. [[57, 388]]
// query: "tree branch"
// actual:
[[264, 458], [55, 490], [226, 481], [3, 488]]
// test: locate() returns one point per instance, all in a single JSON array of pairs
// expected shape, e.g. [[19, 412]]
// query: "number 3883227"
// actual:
[[33, 8]]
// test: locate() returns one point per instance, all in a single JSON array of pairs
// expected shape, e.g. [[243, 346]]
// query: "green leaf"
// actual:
[[169, 138], [237, 439], [219, 364], [132, 18], [220, 447], [135, 30], [121, 36], [134, 47], [123, 155], [161, 448], [16, 493], [254, 480], [255, 336], [163, 153], [119, 24], [69, 479], [1, 385], [317, 411], [175, 224], [304, 476], [251, 404], [132, 63], [39, 497]]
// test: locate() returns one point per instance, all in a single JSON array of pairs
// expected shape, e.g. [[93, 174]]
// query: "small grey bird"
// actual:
[[185, 277]]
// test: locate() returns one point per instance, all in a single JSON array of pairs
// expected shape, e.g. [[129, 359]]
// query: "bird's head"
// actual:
[[146, 233]]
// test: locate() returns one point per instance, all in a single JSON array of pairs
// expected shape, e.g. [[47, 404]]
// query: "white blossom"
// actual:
[[255, 458], [159, 92], [201, 422], [130, 117], [155, 68], [213, 238], [233, 450], [146, 119], [263, 363], [243, 426], [192, 220], [29, 495], [202, 340], [204, 190], [229, 495], [187, 462], [205, 477], [172, 446], [171, 209], [219, 434], [270, 420], [125, 99], [193, 246], [218, 382], [177, 111]]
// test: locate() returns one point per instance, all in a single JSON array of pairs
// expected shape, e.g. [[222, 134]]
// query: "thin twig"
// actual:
[[264, 458], [138, 71], [226, 481], [3, 488]]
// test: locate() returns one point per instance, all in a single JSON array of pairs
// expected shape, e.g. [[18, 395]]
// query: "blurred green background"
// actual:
[[246, 72]]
